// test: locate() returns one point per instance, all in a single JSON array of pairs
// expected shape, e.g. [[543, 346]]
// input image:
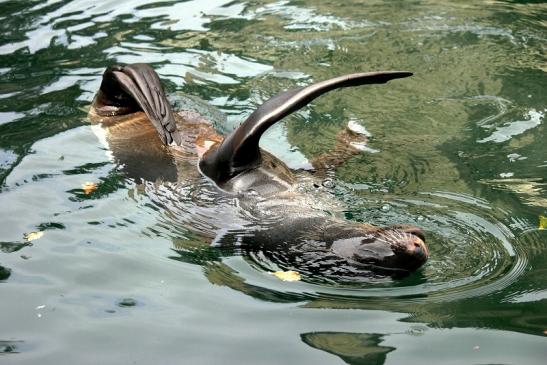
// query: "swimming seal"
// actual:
[[131, 100]]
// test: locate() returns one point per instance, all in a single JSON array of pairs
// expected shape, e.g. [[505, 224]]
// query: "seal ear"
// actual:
[[240, 152], [130, 88]]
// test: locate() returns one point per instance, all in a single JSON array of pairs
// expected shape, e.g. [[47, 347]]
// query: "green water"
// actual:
[[120, 275]]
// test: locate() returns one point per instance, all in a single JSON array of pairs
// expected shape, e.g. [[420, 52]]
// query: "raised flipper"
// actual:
[[130, 88], [240, 152]]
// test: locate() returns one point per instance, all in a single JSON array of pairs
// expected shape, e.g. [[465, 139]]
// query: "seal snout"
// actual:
[[415, 245], [413, 252], [408, 246]]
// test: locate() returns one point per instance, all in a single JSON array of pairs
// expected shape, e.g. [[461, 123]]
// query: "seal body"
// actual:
[[286, 208]]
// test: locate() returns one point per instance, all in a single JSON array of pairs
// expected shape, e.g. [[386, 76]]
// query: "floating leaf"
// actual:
[[89, 187], [287, 275], [542, 222], [31, 236]]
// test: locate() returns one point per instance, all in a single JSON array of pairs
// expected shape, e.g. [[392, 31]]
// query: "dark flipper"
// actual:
[[134, 87], [239, 152]]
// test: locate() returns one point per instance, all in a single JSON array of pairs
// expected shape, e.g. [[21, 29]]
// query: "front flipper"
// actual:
[[350, 141], [130, 88], [240, 152]]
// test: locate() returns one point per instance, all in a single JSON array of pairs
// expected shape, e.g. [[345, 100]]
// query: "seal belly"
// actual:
[[270, 178], [135, 146]]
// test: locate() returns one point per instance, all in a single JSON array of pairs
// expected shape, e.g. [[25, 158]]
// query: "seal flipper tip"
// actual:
[[134, 87], [240, 152]]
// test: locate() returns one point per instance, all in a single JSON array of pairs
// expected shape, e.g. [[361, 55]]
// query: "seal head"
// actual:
[[390, 249]]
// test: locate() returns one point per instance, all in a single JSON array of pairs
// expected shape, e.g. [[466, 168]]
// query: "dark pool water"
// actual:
[[123, 275]]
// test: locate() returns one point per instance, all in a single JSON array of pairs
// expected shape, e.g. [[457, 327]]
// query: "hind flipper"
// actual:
[[350, 141], [240, 152], [135, 87]]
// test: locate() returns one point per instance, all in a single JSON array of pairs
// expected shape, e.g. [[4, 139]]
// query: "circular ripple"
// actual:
[[472, 254], [472, 250]]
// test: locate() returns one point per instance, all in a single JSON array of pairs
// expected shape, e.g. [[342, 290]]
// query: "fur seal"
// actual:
[[142, 127]]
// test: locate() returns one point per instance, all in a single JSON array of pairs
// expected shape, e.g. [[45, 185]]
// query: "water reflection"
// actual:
[[4, 273], [352, 348], [10, 347]]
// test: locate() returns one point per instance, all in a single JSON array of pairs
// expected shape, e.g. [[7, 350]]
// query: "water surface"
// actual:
[[124, 275]]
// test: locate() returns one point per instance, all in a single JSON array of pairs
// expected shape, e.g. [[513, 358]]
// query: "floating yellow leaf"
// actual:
[[33, 235], [89, 187], [287, 275], [542, 222]]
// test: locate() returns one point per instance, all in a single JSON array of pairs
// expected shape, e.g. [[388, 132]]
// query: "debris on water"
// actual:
[[287, 275], [110, 311], [386, 207], [542, 222], [127, 302], [31, 236], [476, 348], [89, 187], [41, 306]]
